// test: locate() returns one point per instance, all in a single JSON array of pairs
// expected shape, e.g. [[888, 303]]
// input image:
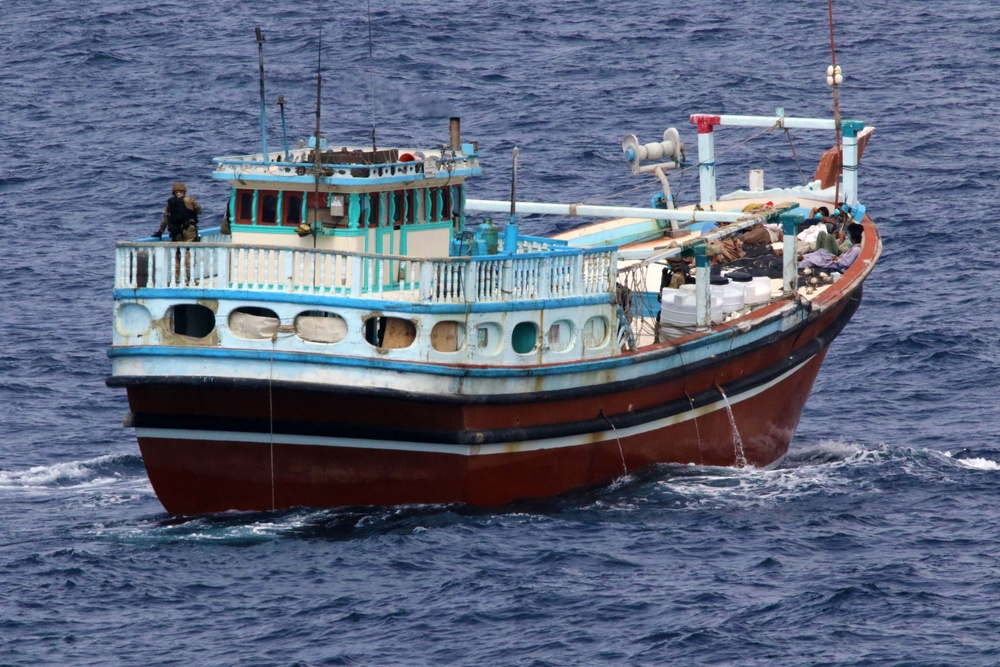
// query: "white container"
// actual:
[[757, 291], [679, 307], [733, 296]]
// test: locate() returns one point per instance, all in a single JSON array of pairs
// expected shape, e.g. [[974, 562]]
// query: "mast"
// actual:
[[317, 162], [263, 109]]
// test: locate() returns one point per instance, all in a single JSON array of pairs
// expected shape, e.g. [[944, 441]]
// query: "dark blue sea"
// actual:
[[877, 542]]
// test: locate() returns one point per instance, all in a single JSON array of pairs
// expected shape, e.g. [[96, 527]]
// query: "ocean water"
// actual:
[[877, 542]]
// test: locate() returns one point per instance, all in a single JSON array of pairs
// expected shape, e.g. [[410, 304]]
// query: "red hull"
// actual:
[[195, 476], [211, 445]]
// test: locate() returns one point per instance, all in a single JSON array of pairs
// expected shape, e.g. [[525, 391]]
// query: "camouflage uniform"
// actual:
[[190, 233]]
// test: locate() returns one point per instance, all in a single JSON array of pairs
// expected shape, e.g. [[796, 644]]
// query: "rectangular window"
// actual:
[[445, 204], [267, 202], [374, 209], [244, 207], [293, 209]]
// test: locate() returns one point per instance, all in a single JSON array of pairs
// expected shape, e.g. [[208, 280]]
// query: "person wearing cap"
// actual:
[[180, 216]]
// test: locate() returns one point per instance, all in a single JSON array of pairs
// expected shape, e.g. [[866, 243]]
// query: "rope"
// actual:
[[620, 451], [697, 431], [270, 411]]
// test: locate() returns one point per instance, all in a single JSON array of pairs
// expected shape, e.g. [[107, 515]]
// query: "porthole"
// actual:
[[448, 336], [524, 337], [191, 319], [319, 326], [253, 323], [488, 338], [595, 333], [560, 336], [133, 319], [390, 333]]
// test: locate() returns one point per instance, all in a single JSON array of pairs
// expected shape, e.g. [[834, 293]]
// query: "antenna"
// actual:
[[317, 164], [371, 71], [513, 188], [263, 111], [284, 128]]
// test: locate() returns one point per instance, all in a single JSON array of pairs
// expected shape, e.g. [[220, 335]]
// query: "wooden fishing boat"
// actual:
[[357, 340]]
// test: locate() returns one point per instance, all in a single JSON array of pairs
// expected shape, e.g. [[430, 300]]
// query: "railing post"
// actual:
[[289, 269], [471, 282], [357, 277], [790, 274], [162, 265], [506, 279], [544, 281], [222, 264], [703, 286], [426, 280]]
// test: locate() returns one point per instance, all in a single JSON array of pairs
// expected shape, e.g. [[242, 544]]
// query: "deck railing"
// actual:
[[565, 272]]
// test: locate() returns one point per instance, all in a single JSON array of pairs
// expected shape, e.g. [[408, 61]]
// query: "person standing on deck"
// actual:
[[180, 216]]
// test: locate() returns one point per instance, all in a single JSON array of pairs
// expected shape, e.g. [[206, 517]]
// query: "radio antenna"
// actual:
[[317, 161], [263, 106], [371, 70]]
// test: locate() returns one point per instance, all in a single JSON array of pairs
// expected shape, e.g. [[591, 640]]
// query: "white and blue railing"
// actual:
[[564, 273]]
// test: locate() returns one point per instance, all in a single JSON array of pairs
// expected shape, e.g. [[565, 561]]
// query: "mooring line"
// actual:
[[270, 411]]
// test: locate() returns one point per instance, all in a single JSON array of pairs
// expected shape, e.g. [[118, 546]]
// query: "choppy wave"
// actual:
[[873, 543]]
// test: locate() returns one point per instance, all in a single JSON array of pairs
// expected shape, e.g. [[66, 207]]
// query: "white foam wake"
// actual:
[[976, 463], [69, 473]]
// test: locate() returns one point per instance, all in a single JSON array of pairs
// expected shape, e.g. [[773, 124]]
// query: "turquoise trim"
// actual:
[[334, 301], [721, 340], [348, 233], [264, 229], [278, 209], [622, 235], [850, 128], [344, 181], [253, 208], [354, 211], [232, 208]]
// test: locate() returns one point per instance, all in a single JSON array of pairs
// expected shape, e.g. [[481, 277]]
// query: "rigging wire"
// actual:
[[795, 155], [836, 103]]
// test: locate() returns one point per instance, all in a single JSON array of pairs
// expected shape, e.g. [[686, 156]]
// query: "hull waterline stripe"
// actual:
[[462, 450]]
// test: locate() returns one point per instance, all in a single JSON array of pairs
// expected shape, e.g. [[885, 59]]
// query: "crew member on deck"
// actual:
[[180, 216]]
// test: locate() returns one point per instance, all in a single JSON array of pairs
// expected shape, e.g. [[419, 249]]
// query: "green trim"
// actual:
[[347, 233], [263, 229], [354, 211], [253, 208]]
